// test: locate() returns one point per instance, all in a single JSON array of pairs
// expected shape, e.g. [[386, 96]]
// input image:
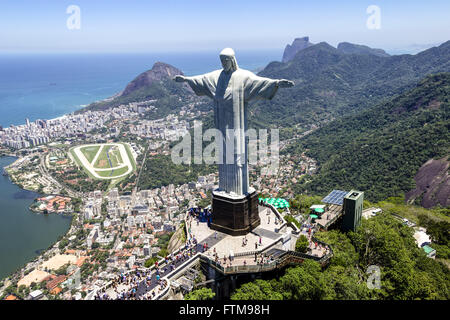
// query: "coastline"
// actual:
[[40, 251]]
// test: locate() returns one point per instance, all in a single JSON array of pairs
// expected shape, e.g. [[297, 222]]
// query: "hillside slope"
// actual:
[[380, 150], [351, 48]]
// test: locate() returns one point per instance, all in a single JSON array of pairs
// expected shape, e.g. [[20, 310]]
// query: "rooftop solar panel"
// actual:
[[335, 197]]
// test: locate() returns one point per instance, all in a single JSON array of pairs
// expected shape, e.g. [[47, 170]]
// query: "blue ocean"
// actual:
[[45, 86]]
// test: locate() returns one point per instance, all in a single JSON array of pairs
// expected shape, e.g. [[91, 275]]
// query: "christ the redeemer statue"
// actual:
[[231, 88]]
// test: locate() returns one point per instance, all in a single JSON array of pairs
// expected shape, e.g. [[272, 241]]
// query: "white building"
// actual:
[[35, 295], [92, 237]]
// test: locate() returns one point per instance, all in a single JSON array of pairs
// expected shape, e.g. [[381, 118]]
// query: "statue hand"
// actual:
[[179, 78], [283, 83]]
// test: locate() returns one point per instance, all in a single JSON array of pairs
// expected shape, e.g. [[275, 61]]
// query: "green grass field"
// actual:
[[130, 156], [79, 164], [116, 172], [114, 155], [90, 152]]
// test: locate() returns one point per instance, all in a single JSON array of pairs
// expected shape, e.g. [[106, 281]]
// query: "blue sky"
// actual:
[[177, 25]]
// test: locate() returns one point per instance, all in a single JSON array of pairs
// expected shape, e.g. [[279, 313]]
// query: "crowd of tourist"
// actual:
[[147, 284], [133, 286]]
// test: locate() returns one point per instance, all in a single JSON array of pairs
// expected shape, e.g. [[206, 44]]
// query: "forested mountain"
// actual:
[[380, 150], [331, 84], [154, 84], [351, 48]]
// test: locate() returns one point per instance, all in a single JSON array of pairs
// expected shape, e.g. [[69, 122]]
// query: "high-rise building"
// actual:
[[353, 207]]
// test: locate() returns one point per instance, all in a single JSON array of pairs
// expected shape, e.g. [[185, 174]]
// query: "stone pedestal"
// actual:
[[235, 215]]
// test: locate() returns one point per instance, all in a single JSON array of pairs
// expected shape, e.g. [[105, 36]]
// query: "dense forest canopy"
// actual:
[[379, 150]]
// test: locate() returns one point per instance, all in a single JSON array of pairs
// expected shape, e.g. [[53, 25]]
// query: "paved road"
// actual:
[[43, 169]]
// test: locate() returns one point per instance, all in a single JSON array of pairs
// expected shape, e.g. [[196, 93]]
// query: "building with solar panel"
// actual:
[[343, 209]]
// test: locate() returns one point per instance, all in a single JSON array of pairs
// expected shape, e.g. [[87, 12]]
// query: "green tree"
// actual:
[[62, 270], [200, 294], [406, 272], [301, 245], [344, 284], [305, 282], [63, 243], [257, 290], [149, 262]]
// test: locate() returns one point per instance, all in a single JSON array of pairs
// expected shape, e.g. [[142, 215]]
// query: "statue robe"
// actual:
[[231, 92]]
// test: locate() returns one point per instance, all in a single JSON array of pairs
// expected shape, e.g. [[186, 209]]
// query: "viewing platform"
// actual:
[[330, 216], [268, 247]]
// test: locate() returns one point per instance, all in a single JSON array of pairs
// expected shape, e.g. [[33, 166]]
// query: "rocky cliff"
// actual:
[[432, 184], [292, 49], [159, 72]]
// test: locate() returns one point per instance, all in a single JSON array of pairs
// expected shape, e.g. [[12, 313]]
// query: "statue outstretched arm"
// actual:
[[203, 85], [257, 87], [283, 83]]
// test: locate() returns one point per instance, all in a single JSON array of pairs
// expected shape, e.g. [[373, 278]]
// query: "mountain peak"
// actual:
[[297, 45], [159, 72], [163, 68]]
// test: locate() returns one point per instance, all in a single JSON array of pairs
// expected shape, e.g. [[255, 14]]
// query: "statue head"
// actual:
[[228, 60]]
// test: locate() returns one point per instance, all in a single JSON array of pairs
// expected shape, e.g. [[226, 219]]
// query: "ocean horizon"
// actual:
[[47, 86]]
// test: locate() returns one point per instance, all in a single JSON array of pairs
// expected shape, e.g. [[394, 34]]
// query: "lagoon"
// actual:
[[23, 233]]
